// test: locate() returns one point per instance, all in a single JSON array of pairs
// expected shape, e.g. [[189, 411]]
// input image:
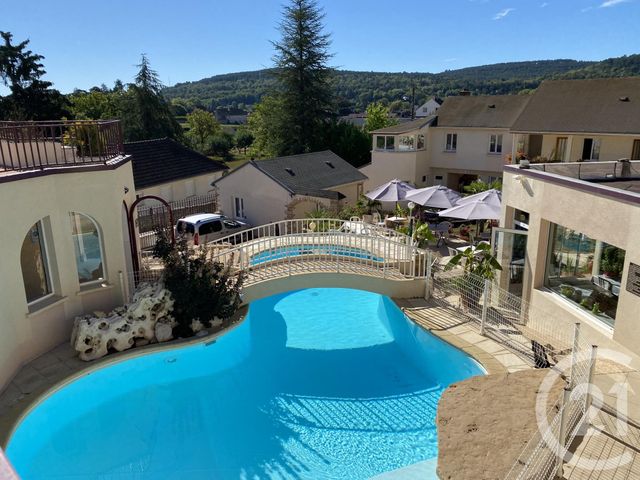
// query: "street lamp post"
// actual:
[[411, 206]]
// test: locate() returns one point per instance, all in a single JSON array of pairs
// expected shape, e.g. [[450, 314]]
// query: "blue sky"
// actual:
[[88, 42]]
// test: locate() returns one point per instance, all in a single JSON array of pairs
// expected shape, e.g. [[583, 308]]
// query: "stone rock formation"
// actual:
[[146, 319]]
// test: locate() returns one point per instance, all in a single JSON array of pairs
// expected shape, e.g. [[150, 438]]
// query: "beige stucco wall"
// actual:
[[265, 200], [385, 166], [350, 192], [393, 288], [612, 147], [179, 189], [98, 194], [472, 152], [599, 217]]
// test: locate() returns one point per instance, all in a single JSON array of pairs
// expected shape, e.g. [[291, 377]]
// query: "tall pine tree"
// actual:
[[146, 114], [30, 97], [303, 76]]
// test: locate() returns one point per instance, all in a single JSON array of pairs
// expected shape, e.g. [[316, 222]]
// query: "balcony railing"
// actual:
[[59, 143]]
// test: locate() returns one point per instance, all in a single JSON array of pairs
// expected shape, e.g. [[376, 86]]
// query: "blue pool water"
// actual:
[[314, 384], [297, 250]]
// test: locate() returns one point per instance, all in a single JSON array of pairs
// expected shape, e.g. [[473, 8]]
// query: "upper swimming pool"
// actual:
[[315, 384], [299, 250]]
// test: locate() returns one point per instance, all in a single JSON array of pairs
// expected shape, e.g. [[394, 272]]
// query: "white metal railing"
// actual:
[[543, 341], [312, 225], [291, 247], [544, 455], [328, 250], [534, 334]]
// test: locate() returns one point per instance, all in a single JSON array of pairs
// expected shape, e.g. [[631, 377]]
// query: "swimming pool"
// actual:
[[315, 384], [299, 250]]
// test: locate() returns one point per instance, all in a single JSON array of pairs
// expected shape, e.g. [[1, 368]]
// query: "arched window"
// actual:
[[34, 262], [88, 248]]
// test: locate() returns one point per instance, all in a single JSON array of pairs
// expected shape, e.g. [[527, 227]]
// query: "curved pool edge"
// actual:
[[485, 359], [10, 421]]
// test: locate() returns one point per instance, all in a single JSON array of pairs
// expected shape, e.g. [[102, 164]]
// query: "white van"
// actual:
[[206, 227]]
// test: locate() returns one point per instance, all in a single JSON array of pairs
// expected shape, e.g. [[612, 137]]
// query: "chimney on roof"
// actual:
[[464, 93]]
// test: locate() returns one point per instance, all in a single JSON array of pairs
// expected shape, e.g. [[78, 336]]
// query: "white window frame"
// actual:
[[47, 263], [386, 148], [98, 281], [451, 142], [596, 144], [496, 143], [238, 213], [409, 148]]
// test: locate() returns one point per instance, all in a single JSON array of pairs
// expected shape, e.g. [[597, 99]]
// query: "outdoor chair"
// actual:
[[442, 232], [539, 355]]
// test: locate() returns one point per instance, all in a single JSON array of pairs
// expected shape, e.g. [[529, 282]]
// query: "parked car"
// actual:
[[202, 228]]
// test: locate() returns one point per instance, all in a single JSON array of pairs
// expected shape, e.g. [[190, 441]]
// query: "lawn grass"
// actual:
[[236, 159]]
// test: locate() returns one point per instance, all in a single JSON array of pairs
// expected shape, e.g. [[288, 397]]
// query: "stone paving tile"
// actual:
[[56, 370], [489, 346], [10, 396], [64, 351], [44, 361], [473, 337], [29, 379], [509, 359]]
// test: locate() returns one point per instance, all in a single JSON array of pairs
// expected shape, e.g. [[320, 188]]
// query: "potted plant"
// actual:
[[478, 263], [423, 234]]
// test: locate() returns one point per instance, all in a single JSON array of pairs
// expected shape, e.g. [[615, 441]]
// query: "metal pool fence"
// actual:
[[543, 341]]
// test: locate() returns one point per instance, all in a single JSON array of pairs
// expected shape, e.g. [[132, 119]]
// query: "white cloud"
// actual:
[[586, 9], [612, 3], [503, 13], [544, 4]]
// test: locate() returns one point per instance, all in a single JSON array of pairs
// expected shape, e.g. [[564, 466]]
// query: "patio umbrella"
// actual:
[[393, 191], [437, 196], [474, 210], [492, 197]]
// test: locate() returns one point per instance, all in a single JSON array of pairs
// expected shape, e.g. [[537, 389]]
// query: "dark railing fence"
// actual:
[[152, 217], [44, 144]]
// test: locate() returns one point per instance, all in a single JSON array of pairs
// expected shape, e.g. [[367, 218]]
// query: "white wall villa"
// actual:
[[266, 191], [44, 282]]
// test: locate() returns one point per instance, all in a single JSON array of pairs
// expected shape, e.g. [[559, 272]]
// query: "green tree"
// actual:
[[146, 114], [266, 126], [478, 186], [202, 289], [347, 141], [220, 144], [202, 125], [377, 117], [243, 139], [95, 104], [30, 97], [303, 76]]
